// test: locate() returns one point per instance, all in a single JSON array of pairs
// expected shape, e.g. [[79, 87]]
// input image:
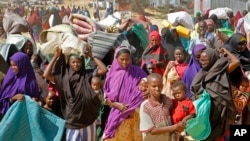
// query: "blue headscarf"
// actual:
[[24, 82]]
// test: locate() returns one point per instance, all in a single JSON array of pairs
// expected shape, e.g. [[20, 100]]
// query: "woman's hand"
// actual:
[[58, 52], [122, 107], [18, 97], [88, 51]]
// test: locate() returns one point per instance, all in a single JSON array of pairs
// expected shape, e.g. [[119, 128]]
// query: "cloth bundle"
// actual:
[[83, 25], [220, 12], [13, 23], [111, 20], [102, 42], [181, 17], [63, 36]]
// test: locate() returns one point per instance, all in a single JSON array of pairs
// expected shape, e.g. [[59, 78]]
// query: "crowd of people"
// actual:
[[154, 99]]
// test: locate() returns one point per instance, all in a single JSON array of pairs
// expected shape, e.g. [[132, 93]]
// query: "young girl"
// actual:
[[183, 109], [155, 116], [174, 71]]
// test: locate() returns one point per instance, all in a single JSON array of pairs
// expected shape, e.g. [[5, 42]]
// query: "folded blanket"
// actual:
[[27, 121]]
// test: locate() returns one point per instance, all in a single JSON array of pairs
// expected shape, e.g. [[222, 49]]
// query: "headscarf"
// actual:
[[142, 18], [209, 22], [121, 85], [237, 17], [156, 53], [214, 79], [24, 82], [193, 68], [232, 44], [154, 28]]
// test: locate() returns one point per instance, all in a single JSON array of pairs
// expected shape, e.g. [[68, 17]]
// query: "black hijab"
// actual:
[[79, 103], [215, 80]]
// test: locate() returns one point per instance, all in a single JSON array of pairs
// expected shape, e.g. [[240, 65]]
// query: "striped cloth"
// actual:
[[83, 134], [27, 121], [102, 42]]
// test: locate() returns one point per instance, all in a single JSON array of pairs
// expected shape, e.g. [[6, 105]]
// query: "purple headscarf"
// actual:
[[122, 86], [193, 68], [24, 82]]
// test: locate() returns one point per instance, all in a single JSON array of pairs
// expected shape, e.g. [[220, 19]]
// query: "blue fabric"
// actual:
[[27, 121], [185, 42]]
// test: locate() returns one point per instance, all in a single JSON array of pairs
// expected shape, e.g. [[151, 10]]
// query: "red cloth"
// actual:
[[236, 18], [52, 87], [181, 109], [34, 18], [180, 69]]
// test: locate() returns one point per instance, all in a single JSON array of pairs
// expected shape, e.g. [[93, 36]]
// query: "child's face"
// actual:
[[143, 86], [51, 99], [179, 93], [155, 87], [95, 85], [150, 68], [179, 56], [243, 86]]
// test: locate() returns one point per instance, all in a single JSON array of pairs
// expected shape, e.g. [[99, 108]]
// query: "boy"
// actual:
[[155, 118], [183, 109]]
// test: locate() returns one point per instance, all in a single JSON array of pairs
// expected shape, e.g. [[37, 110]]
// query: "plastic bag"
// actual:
[[226, 31], [199, 127]]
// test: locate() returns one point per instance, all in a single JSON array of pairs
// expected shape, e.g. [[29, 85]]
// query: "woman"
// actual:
[[124, 98], [76, 96], [237, 44], [213, 77], [19, 80], [170, 41], [155, 53], [193, 67]]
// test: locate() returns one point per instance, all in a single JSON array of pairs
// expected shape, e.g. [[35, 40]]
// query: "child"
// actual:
[[174, 71], [240, 96], [144, 88], [155, 118], [51, 103], [183, 109], [96, 84]]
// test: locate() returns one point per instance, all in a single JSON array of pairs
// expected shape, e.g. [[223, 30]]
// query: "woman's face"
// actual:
[[14, 67], [154, 41], [124, 60], [75, 63], [242, 45], [204, 59], [179, 55], [28, 49]]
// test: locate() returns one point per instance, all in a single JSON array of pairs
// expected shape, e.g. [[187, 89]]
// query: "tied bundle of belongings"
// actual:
[[63, 36], [111, 20], [83, 25], [220, 12], [13, 23], [102, 42]]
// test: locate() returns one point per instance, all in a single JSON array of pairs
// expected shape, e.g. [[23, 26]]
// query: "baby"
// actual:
[[143, 87]]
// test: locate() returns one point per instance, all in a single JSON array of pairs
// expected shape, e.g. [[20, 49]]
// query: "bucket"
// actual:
[[183, 31]]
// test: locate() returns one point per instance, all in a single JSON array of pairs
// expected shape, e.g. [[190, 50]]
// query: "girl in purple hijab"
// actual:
[[123, 96], [193, 67], [19, 80]]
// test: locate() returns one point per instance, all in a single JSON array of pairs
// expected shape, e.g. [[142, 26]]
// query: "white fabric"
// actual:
[[181, 17], [111, 20], [221, 13]]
